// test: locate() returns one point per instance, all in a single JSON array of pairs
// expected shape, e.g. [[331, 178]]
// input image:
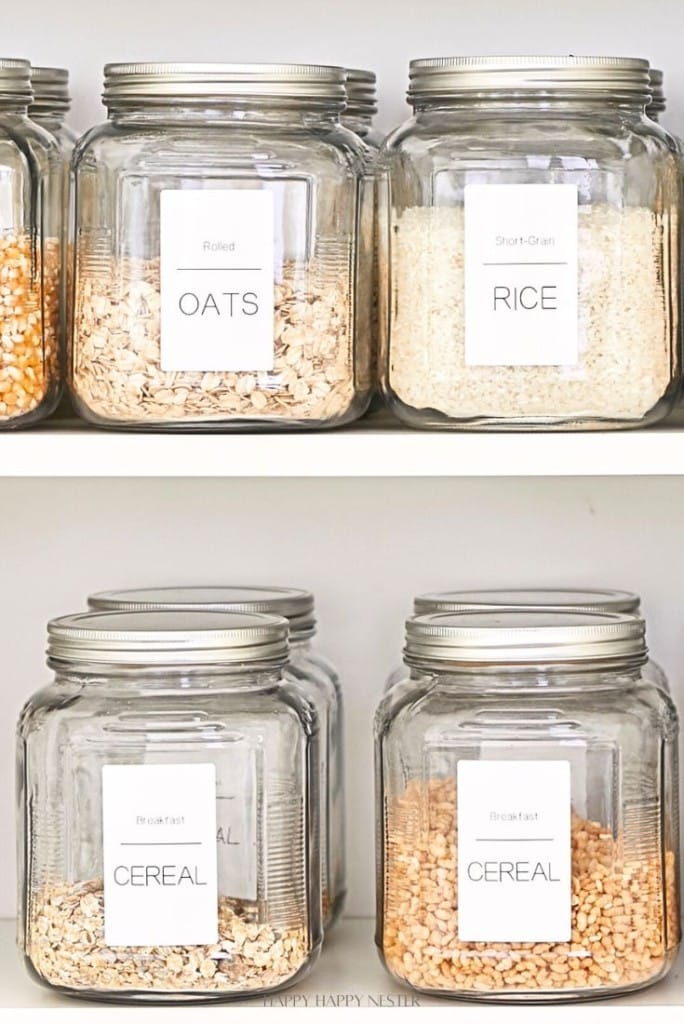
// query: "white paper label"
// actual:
[[521, 275], [514, 858], [217, 262], [159, 846]]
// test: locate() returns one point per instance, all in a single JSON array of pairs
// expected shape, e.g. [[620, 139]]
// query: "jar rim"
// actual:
[[533, 598], [50, 91], [519, 637], [361, 87], [297, 606], [152, 638], [156, 82], [617, 78], [15, 81]]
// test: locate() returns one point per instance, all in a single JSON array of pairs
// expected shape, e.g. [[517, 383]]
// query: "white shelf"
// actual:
[[348, 976], [375, 447]]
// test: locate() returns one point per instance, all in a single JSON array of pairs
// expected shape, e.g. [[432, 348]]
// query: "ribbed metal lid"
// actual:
[[528, 600], [508, 637], [297, 606], [658, 101], [146, 639], [361, 93], [164, 82], [50, 89], [15, 80], [442, 77]]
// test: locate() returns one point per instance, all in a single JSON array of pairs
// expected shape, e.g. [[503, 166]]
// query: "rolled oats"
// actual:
[[66, 946], [625, 915], [116, 375]]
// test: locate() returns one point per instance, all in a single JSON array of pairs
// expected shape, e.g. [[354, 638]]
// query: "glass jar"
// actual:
[[168, 810], [217, 215], [312, 675], [528, 809], [30, 256], [531, 218], [529, 600]]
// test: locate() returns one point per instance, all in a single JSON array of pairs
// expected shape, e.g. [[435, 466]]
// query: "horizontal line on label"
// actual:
[[525, 263], [246, 270], [534, 839], [161, 844]]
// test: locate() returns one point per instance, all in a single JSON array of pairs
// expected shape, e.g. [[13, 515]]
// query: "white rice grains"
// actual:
[[626, 362]]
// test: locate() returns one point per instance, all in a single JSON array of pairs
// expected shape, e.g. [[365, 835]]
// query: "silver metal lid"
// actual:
[[442, 77], [192, 83], [297, 606], [508, 637], [658, 101], [528, 600], [50, 90], [146, 639], [15, 81], [361, 93]]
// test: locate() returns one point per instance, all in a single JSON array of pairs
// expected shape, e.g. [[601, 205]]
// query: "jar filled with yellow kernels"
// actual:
[[30, 255], [527, 809]]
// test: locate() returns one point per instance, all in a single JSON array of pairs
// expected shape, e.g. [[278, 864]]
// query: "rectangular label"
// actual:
[[217, 264], [514, 854], [521, 295], [159, 848]]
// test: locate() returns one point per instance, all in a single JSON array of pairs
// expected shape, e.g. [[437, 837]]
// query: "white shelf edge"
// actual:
[[362, 451], [348, 977]]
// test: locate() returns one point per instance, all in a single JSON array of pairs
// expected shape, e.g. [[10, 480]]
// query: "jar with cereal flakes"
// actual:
[[530, 253], [31, 218], [168, 810], [218, 213], [527, 813]]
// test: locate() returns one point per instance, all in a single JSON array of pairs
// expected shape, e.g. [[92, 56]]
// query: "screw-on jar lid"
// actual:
[[658, 102], [146, 639], [192, 83], [528, 600], [50, 89], [361, 93], [443, 77], [15, 81], [508, 637], [297, 606]]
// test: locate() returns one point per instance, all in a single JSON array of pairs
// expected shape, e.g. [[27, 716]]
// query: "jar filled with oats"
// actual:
[[216, 261], [311, 673], [527, 809], [530, 238], [169, 810], [31, 218]]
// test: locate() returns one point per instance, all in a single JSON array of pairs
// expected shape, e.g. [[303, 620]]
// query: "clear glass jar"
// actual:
[[313, 676], [217, 218], [30, 256], [168, 810], [530, 226], [529, 600], [527, 809]]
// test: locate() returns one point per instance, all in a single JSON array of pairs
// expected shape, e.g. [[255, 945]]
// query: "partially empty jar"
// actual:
[[168, 810], [527, 809]]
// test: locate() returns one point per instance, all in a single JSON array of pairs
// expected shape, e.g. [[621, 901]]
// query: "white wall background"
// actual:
[[365, 547], [380, 34]]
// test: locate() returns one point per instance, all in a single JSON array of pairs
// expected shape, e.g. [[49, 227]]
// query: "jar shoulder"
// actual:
[[280, 150], [440, 136]]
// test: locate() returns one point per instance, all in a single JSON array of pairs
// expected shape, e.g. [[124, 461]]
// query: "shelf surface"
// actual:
[[348, 976], [375, 447]]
